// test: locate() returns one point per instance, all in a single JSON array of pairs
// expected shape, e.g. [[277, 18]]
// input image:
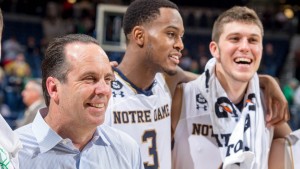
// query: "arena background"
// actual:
[[29, 25]]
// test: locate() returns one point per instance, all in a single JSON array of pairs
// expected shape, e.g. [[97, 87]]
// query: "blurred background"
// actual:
[[29, 25]]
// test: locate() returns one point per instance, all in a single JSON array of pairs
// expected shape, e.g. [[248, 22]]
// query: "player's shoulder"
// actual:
[[120, 88], [193, 85]]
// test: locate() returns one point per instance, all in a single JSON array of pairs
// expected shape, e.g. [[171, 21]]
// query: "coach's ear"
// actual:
[[53, 87], [214, 50], [138, 34]]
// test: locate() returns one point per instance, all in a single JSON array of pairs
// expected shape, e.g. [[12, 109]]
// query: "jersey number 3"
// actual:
[[151, 134]]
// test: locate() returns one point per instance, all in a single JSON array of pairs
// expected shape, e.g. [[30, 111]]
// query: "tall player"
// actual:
[[9, 142], [143, 87], [222, 117], [141, 97]]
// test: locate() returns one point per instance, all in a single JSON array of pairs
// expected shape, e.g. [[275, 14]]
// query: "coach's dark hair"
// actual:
[[143, 11], [55, 63]]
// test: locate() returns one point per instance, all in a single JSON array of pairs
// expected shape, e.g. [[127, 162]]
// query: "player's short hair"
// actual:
[[55, 64], [143, 11], [235, 14]]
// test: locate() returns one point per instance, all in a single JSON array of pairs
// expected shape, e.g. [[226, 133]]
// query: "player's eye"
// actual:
[[171, 34]]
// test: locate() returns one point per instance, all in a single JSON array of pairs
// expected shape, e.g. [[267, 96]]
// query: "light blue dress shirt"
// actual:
[[43, 148]]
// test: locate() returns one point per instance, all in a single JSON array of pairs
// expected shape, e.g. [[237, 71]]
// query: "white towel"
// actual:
[[248, 142]]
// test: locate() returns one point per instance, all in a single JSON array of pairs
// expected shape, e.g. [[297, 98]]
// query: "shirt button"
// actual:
[[64, 141]]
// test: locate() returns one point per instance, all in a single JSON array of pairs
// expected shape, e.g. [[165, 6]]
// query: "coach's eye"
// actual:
[[89, 79], [109, 79]]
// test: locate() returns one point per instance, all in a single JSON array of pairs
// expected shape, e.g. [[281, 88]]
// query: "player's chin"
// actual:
[[170, 72], [246, 77]]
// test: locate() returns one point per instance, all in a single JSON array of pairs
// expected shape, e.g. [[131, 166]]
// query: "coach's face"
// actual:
[[85, 94], [163, 43]]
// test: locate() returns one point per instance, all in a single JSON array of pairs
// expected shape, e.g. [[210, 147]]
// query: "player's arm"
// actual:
[[176, 108], [277, 154], [278, 147], [281, 130], [181, 76], [277, 105]]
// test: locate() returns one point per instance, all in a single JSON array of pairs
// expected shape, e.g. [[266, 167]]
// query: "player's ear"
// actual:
[[139, 35], [214, 49]]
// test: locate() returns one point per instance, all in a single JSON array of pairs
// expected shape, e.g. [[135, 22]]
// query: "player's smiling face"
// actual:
[[164, 40], [238, 51]]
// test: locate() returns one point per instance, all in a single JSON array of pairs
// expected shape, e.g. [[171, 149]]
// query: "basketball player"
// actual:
[[141, 96], [9, 142], [222, 119]]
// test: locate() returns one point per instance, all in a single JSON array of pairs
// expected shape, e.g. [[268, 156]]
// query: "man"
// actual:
[[33, 99], [147, 76], [141, 97], [9, 142], [222, 117], [76, 79]]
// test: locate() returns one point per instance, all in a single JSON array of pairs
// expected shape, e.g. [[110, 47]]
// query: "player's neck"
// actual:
[[137, 72], [234, 89]]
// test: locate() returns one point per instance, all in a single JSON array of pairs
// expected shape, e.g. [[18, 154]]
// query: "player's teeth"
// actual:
[[176, 57], [242, 60]]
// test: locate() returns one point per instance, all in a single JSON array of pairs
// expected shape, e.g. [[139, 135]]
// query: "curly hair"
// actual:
[[143, 11], [235, 14]]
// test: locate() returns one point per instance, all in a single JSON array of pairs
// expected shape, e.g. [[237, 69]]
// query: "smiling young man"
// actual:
[[76, 83], [221, 114]]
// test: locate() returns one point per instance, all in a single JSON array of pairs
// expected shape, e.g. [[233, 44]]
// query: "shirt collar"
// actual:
[[46, 137]]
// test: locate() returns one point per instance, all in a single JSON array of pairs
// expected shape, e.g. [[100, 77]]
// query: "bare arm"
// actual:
[[281, 130], [180, 77], [176, 108], [277, 105], [277, 154]]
